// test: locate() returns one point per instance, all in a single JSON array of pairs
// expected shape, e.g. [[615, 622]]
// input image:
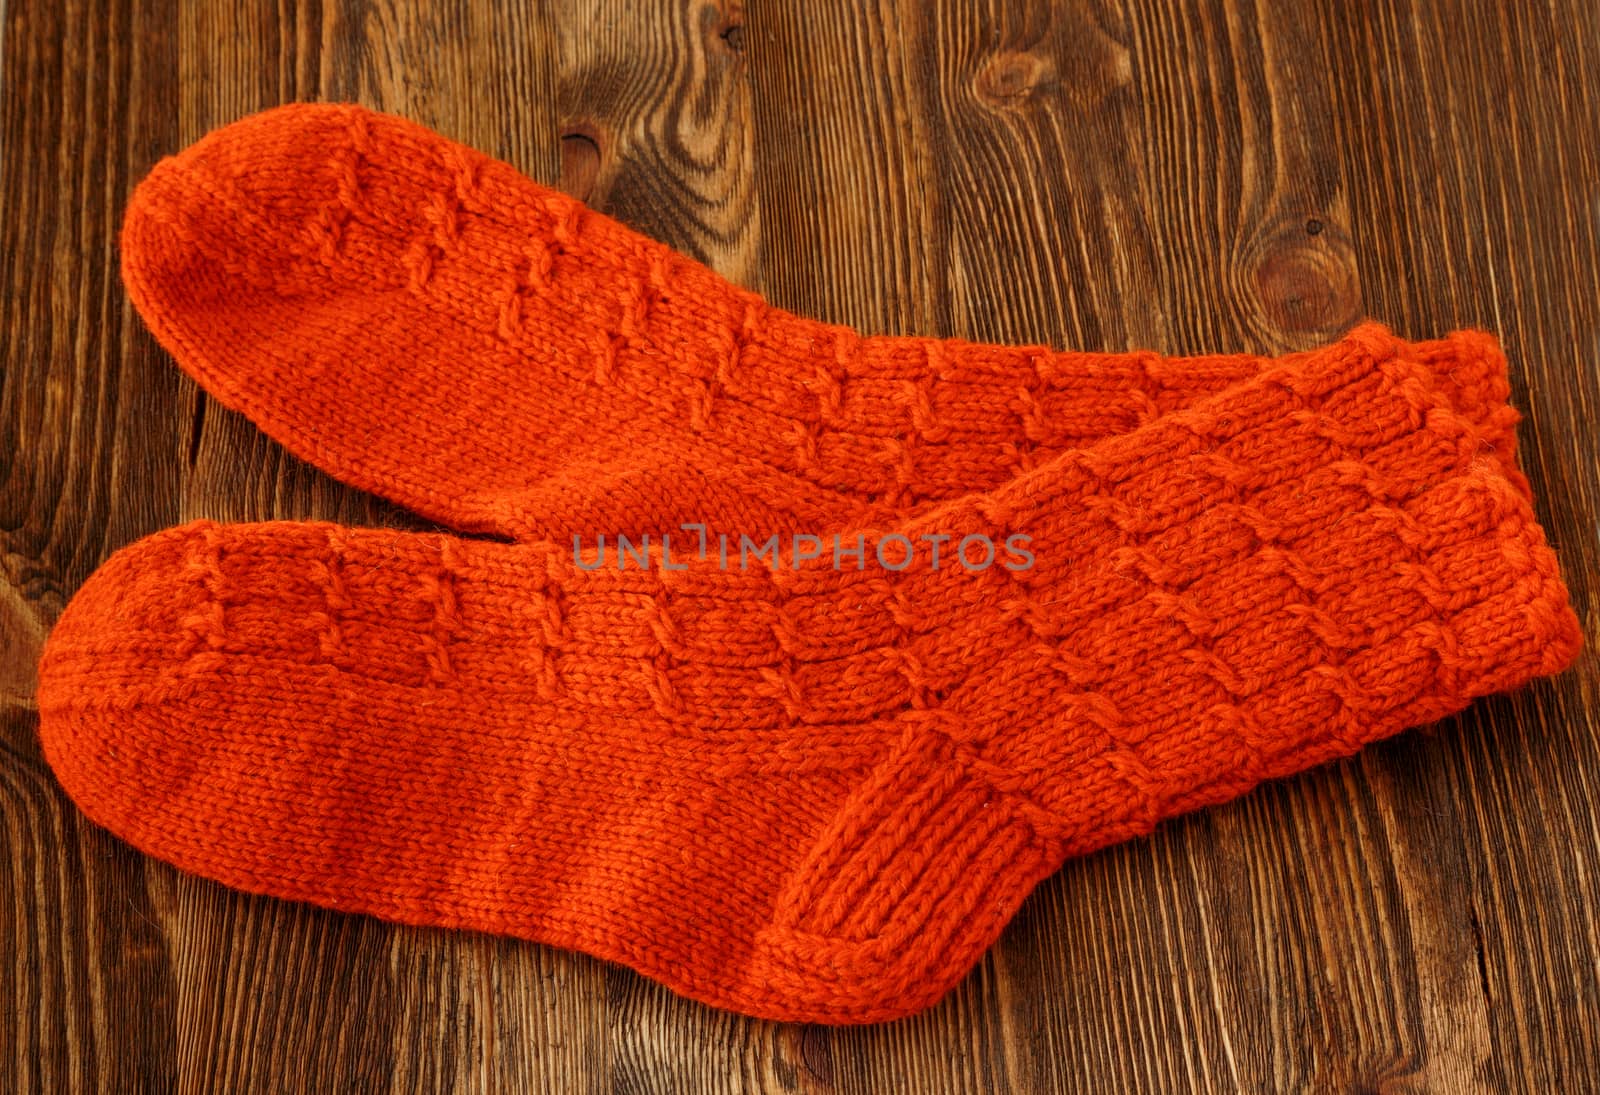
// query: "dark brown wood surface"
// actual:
[[1204, 174]]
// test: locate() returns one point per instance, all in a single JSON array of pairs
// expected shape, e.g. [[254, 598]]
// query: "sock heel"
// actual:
[[906, 889]]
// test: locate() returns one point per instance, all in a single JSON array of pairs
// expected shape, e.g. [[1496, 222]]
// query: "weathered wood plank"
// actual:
[[1110, 173]]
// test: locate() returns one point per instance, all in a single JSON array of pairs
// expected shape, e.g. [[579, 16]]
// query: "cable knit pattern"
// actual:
[[555, 371], [802, 792]]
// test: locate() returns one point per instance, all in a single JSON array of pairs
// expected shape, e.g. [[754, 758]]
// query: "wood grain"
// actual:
[[1185, 175]]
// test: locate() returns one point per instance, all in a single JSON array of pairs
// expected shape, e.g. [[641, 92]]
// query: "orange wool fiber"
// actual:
[[809, 792]]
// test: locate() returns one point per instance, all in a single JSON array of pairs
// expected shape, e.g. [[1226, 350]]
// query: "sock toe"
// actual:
[[238, 212], [124, 617]]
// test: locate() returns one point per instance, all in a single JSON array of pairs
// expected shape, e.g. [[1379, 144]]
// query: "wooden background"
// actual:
[[1205, 174]]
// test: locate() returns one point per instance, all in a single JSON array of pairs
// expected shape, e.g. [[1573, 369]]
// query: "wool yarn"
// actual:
[[428, 324], [808, 790]]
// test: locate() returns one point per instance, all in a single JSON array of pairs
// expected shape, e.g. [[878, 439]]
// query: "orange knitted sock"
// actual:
[[805, 793], [430, 325]]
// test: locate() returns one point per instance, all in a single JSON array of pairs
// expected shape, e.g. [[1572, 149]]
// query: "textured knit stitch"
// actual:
[[799, 794], [796, 794], [430, 325]]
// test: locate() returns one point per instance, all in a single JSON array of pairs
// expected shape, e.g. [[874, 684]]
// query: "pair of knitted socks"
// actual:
[[807, 781]]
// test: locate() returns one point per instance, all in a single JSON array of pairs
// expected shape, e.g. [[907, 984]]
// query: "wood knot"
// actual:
[[1011, 78], [581, 160], [724, 26], [1304, 281]]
